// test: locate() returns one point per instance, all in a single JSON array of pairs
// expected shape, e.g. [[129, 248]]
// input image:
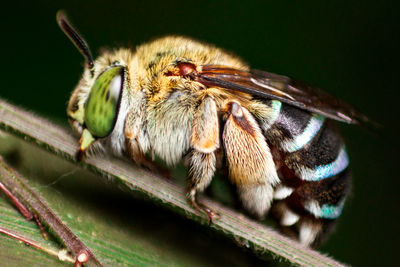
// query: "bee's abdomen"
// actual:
[[312, 164], [323, 199]]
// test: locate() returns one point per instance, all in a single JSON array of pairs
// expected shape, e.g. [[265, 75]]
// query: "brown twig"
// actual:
[[247, 233], [20, 193]]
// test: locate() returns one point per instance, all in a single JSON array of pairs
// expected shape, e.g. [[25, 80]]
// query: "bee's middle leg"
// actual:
[[202, 168]]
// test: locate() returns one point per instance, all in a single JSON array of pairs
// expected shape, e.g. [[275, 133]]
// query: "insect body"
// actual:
[[176, 97]]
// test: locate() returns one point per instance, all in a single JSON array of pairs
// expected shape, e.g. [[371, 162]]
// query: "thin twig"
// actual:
[[58, 253], [14, 182], [246, 232]]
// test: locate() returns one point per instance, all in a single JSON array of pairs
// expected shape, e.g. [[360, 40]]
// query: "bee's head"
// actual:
[[94, 105]]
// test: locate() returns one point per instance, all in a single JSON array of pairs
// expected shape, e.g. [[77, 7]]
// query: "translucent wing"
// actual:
[[272, 86]]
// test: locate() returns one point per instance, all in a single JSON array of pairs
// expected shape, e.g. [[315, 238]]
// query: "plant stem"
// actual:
[[247, 233]]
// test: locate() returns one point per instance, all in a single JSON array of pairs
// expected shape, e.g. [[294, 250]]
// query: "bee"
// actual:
[[177, 98]]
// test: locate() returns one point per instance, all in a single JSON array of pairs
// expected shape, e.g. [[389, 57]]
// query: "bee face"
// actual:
[[176, 97], [99, 102]]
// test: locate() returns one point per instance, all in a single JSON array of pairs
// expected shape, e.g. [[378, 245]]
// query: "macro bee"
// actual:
[[177, 98]]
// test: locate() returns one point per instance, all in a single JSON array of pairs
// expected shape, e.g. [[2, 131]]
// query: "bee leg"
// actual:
[[202, 168], [250, 162], [256, 199], [23, 209], [212, 215], [133, 124], [205, 141], [140, 159], [154, 167]]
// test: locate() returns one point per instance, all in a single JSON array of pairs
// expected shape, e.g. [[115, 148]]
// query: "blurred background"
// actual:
[[348, 49]]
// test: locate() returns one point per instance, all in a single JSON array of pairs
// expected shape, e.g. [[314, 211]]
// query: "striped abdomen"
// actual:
[[312, 164]]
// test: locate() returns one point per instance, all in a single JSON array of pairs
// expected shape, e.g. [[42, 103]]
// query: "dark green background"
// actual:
[[350, 50]]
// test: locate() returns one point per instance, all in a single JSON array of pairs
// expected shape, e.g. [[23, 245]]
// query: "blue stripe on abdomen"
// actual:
[[300, 140], [328, 170], [326, 211]]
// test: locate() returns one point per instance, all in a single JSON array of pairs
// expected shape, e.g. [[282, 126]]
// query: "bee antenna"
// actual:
[[75, 37]]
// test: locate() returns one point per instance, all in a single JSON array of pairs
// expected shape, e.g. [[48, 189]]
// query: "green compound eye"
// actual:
[[102, 106]]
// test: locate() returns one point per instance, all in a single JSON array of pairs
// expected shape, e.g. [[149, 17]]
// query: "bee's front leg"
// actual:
[[133, 151]]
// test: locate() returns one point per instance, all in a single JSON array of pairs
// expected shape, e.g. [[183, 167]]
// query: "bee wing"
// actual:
[[272, 86]]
